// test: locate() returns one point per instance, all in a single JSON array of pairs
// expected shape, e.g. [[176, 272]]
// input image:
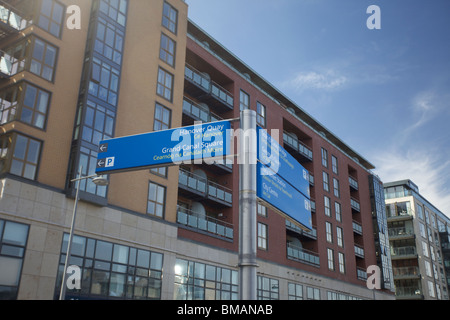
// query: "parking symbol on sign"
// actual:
[[109, 162]]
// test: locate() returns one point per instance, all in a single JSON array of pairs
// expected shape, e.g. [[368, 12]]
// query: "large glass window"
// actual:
[[104, 82], [13, 242], [26, 103], [244, 101], [109, 41], [20, 155], [98, 123], [167, 51], [268, 288], [88, 160], [115, 10], [156, 200], [295, 291], [170, 17], [199, 281], [260, 114], [326, 181], [43, 59], [51, 17], [165, 84], [162, 118], [112, 271], [262, 236]]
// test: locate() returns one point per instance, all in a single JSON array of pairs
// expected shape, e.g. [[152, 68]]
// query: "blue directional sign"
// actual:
[[272, 155], [168, 147], [281, 196]]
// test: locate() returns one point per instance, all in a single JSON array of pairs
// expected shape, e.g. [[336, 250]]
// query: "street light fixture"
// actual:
[[99, 181]]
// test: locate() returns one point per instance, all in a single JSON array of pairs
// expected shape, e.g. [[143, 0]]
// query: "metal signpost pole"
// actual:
[[247, 206]]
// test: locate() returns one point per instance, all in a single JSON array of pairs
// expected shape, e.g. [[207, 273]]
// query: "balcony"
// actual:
[[309, 234], [300, 149], [361, 274], [408, 252], [196, 84], [311, 179], [6, 65], [353, 183], [401, 233], [359, 251], [201, 188], [197, 112], [302, 255], [11, 20], [406, 273], [357, 228], [200, 85], [408, 293], [355, 205], [203, 223]]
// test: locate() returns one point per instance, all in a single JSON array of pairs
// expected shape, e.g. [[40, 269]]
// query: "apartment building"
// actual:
[[419, 237], [162, 233]]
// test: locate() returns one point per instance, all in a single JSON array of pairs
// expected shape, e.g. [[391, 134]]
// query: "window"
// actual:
[[162, 118], [244, 101], [51, 17], [115, 10], [262, 236], [262, 210], [327, 205], [340, 237], [170, 17], [312, 293], [295, 291], [326, 181], [98, 123], [109, 41], [199, 281], [156, 200], [334, 164], [160, 171], [260, 115], [104, 82], [324, 158], [13, 242], [341, 259], [167, 51], [330, 255], [329, 231], [336, 188], [165, 84], [337, 209], [113, 270], [88, 161], [268, 289], [43, 59], [25, 157], [26, 103]]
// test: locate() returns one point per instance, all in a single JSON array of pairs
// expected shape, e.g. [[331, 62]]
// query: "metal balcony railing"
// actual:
[[311, 234], [206, 188], [359, 251], [204, 223], [197, 78], [353, 182], [12, 17], [302, 255], [355, 204], [198, 112], [400, 232], [357, 227], [405, 272], [403, 251], [298, 146]]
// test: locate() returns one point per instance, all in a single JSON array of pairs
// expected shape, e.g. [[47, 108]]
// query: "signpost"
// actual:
[[283, 183], [162, 148], [267, 172]]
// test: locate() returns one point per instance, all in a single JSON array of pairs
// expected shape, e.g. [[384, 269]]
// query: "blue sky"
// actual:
[[386, 92]]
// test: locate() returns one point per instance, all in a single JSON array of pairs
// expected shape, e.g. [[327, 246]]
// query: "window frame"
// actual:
[[155, 201], [165, 88], [168, 18]]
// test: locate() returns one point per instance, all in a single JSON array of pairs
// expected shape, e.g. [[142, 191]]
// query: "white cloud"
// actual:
[[327, 80]]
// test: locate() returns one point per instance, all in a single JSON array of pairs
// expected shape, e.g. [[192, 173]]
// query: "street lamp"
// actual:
[[99, 181]]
